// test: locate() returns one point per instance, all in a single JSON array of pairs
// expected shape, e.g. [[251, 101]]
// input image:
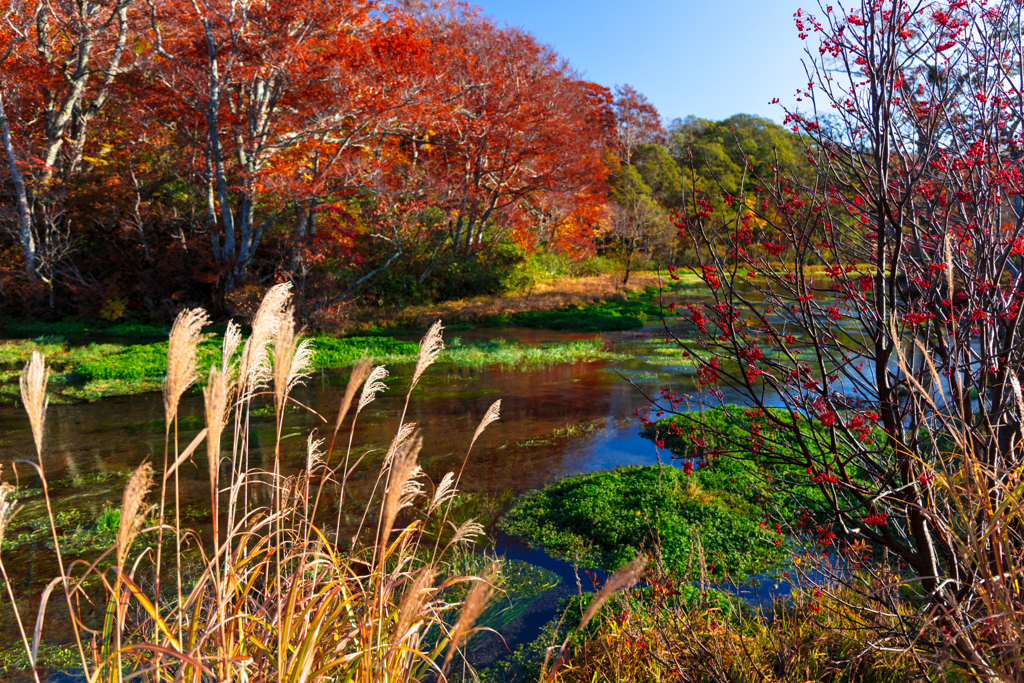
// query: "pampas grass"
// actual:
[[186, 333], [272, 598], [33, 396]]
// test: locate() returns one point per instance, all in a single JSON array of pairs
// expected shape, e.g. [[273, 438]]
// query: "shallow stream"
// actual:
[[556, 421]]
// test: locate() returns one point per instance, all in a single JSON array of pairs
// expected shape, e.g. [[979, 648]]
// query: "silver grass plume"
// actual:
[[404, 432], [33, 395], [186, 333], [217, 398], [292, 358], [253, 369], [492, 414], [467, 532], [232, 339], [476, 601], [132, 513], [413, 603], [620, 579], [404, 485], [430, 348], [444, 492], [360, 371], [314, 452], [371, 386]]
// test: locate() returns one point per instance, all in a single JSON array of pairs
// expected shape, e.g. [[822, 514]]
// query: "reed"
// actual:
[[269, 594]]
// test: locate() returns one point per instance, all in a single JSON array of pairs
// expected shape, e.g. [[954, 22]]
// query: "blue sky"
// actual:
[[711, 59]]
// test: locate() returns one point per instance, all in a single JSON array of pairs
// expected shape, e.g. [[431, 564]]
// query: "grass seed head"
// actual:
[[186, 333], [371, 386], [217, 395], [404, 484], [132, 513], [430, 348], [314, 452], [444, 492], [33, 395], [254, 369], [293, 358], [492, 414], [232, 339], [360, 371], [476, 602]]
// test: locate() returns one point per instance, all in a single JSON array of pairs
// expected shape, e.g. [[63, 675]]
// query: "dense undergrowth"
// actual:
[[665, 631]]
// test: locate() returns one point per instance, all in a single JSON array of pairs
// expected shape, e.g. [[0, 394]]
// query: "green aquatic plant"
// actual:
[[604, 519]]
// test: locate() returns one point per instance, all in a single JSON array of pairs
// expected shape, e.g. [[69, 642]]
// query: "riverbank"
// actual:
[[97, 359]]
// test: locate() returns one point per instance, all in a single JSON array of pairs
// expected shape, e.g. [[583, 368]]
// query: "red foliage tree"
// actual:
[[898, 361]]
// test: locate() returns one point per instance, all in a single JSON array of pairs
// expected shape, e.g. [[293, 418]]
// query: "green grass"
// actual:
[[514, 354], [606, 316], [95, 371], [605, 519]]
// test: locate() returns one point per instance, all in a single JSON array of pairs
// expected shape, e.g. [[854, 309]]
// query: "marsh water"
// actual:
[[556, 421]]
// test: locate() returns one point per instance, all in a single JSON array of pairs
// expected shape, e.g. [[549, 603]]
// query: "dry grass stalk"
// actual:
[[293, 358], [132, 513], [430, 348], [492, 414], [371, 386], [404, 485], [33, 396], [476, 602], [216, 395], [360, 371], [186, 333], [253, 370]]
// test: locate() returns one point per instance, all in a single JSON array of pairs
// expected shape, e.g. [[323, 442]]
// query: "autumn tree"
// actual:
[[898, 368], [526, 131], [61, 63], [636, 121]]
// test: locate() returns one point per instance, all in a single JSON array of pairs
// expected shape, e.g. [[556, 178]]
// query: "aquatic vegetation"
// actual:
[[513, 354], [604, 519], [95, 371]]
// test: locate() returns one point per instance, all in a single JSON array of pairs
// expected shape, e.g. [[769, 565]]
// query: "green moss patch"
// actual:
[[605, 519]]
